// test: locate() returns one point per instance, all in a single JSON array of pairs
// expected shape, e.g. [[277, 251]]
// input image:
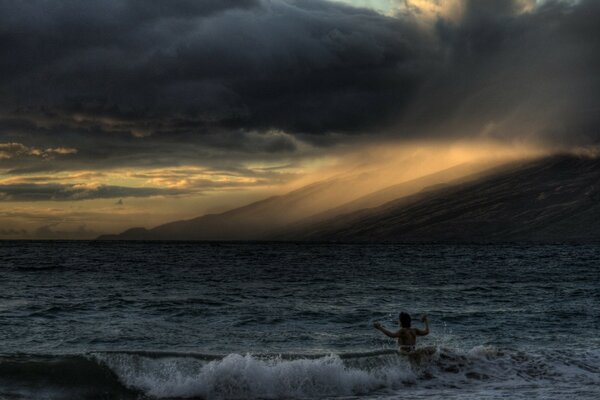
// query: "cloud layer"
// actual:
[[61, 192], [224, 83], [147, 68]]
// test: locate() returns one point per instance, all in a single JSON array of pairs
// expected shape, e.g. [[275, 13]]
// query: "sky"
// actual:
[[120, 113]]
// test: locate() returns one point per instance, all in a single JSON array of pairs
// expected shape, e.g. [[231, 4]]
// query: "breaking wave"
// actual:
[[138, 375]]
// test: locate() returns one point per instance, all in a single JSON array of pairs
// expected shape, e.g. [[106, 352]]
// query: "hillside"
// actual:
[[309, 204], [553, 199]]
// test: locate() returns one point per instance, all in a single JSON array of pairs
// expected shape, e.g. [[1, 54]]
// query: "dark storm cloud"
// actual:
[[305, 66], [100, 149], [520, 76], [139, 83]]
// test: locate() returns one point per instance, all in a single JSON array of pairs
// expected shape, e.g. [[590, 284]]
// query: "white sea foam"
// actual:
[[254, 377], [243, 377]]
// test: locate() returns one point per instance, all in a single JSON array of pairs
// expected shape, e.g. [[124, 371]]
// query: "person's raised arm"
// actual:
[[423, 332], [378, 326]]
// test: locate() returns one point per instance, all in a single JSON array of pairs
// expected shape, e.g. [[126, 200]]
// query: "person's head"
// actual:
[[405, 320]]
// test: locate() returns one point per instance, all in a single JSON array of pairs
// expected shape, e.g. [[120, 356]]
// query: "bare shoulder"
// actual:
[[420, 332]]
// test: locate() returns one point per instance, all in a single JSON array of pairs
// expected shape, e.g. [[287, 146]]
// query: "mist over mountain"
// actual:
[[308, 204], [183, 107], [253, 221], [549, 199], [452, 175]]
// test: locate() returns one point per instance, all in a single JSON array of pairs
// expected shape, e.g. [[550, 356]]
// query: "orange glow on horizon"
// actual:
[[354, 171]]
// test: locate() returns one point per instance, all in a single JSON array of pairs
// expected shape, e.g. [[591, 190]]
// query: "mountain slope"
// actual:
[[552, 199], [309, 204], [253, 220], [460, 173]]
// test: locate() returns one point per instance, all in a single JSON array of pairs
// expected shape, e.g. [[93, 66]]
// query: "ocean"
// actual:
[[127, 320]]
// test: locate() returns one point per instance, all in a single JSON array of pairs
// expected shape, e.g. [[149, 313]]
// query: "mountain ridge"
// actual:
[[544, 200], [310, 203], [547, 199]]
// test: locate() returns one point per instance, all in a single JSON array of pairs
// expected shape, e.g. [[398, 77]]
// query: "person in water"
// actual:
[[407, 336]]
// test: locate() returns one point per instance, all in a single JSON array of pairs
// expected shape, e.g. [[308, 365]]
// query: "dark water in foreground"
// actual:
[[259, 321]]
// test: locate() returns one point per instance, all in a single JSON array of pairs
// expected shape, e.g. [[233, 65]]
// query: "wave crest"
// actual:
[[242, 377], [128, 375]]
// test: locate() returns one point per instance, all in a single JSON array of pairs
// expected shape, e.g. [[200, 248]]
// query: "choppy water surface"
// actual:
[[263, 321]]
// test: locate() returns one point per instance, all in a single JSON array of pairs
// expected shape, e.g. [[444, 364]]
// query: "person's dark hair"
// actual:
[[405, 320]]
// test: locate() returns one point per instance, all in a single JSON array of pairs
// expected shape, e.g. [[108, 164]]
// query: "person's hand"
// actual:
[[424, 318], [377, 325]]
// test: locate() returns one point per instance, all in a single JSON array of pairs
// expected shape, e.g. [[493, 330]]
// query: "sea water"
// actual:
[[126, 320]]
